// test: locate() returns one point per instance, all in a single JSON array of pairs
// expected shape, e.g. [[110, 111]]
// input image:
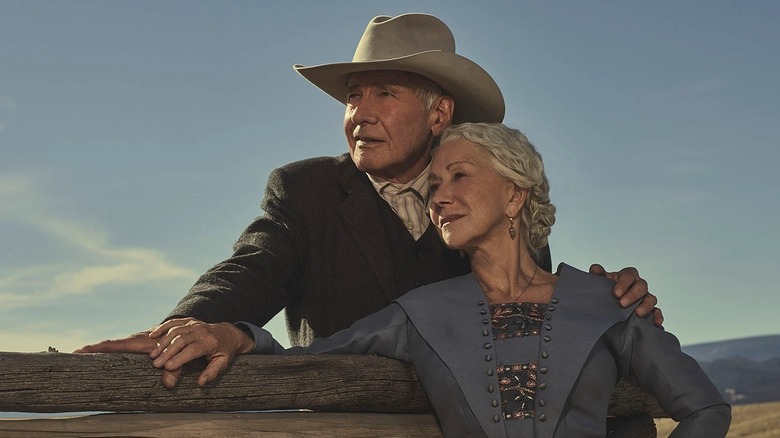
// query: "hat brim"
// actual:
[[477, 97]]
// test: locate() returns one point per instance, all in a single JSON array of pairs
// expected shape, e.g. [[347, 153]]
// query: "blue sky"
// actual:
[[136, 139]]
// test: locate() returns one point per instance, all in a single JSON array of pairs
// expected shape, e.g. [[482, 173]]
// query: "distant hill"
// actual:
[[755, 348], [746, 370]]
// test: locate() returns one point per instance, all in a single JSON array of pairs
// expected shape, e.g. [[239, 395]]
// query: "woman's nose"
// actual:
[[439, 198]]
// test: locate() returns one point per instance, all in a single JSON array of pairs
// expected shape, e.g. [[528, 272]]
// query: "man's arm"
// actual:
[[253, 285]]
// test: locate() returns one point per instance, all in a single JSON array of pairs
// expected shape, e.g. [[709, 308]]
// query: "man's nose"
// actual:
[[363, 112]]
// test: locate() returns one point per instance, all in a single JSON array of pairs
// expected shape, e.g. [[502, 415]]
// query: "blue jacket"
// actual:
[[587, 343]]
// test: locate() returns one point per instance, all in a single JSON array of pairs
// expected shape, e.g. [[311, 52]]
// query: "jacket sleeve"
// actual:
[[651, 358], [384, 333], [254, 283]]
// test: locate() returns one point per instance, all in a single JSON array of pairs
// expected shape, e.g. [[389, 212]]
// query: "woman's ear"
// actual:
[[517, 200]]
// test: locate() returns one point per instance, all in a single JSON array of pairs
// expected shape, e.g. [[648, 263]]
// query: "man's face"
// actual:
[[388, 127]]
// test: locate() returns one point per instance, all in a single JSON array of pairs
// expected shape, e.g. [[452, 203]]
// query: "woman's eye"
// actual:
[[458, 175], [433, 187]]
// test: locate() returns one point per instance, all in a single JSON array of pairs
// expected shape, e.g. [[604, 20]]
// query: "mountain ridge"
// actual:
[[757, 348], [746, 370]]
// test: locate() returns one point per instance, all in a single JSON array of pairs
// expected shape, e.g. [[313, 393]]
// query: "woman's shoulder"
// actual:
[[453, 290], [587, 292], [573, 279]]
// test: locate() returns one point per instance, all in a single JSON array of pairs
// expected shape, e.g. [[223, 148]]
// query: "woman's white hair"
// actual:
[[514, 157]]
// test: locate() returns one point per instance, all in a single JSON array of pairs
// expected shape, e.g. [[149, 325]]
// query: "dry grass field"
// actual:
[[761, 420]]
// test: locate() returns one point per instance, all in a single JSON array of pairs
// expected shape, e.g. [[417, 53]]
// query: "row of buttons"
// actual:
[[488, 357], [544, 354]]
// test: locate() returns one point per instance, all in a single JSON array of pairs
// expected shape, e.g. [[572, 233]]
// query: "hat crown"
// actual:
[[405, 35]]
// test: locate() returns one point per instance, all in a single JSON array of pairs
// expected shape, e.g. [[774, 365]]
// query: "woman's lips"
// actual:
[[446, 220]]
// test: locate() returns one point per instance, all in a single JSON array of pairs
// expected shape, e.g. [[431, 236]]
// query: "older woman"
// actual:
[[510, 349]]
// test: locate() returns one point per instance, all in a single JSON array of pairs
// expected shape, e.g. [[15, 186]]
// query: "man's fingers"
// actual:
[[170, 377], [646, 306], [658, 317], [163, 328], [597, 269], [176, 353], [628, 286], [136, 343], [187, 332], [216, 365]]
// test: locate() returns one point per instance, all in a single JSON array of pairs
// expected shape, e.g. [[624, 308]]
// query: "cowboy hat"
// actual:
[[421, 44]]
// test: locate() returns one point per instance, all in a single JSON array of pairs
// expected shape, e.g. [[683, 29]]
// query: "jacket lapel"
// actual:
[[581, 310], [453, 317], [360, 213]]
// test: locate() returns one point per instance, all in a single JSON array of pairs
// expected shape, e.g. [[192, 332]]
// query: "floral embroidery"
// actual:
[[512, 320], [517, 384], [517, 381]]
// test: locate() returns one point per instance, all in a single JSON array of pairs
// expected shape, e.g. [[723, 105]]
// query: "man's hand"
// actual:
[[630, 288], [179, 341]]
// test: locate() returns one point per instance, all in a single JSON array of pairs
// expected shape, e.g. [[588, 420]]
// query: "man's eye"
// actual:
[[352, 96]]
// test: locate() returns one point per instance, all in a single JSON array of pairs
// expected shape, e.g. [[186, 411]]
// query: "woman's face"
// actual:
[[469, 199]]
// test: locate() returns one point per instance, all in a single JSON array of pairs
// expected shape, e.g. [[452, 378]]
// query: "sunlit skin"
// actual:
[[389, 130], [469, 199], [469, 204]]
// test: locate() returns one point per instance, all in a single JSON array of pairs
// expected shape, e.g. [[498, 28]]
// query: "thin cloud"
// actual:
[[95, 262]]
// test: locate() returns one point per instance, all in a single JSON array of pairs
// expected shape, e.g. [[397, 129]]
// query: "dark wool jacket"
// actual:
[[327, 250]]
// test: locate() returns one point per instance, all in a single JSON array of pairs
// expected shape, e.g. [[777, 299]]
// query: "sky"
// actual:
[[136, 139]]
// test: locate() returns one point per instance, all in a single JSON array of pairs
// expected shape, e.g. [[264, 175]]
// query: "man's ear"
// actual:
[[441, 115]]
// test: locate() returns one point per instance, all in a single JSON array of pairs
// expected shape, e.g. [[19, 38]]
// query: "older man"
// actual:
[[343, 236]]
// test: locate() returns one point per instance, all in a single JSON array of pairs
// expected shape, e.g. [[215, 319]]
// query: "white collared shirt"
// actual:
[[408, 201]]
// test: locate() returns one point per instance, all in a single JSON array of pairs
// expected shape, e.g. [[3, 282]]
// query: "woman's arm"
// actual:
[[651, 358], [384, 333]]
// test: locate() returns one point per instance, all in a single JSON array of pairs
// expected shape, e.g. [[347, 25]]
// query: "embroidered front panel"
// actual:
[[517, 384], [512, 320]]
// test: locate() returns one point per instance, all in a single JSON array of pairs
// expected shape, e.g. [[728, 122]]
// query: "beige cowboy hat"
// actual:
[[421, 44]]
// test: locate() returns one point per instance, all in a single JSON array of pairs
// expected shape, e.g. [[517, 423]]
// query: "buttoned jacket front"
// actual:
[[588, 342]]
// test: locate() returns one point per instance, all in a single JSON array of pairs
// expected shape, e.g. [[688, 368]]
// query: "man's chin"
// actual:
[[367, 164]]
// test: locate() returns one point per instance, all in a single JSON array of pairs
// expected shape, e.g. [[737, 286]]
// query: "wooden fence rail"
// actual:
[[61, 382]]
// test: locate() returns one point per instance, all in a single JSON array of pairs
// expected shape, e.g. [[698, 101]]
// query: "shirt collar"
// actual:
[[419, 185]]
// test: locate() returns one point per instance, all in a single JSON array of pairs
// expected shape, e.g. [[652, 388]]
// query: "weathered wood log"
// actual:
[[227, 425], [61, 382], [635, 426]]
